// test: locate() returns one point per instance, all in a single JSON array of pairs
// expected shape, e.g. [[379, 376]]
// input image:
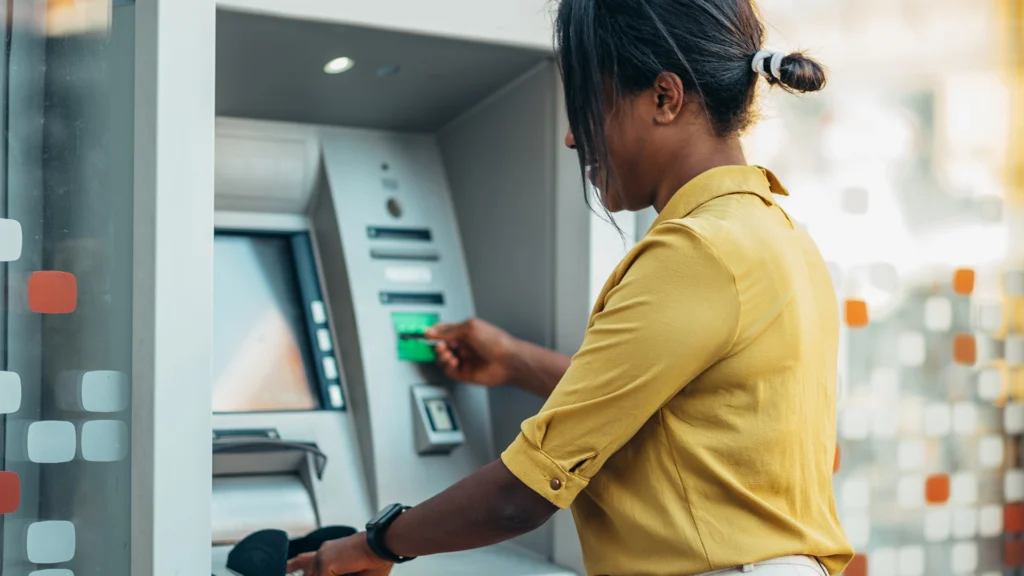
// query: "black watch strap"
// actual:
[[378, 527]]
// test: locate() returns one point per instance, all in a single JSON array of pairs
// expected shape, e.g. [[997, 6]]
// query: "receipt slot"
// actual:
[[437, 425]]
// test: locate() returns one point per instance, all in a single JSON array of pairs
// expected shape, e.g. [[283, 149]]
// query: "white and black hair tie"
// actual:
[[774, 72]]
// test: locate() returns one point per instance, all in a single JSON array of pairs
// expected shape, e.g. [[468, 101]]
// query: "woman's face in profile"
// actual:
[[623, 183]]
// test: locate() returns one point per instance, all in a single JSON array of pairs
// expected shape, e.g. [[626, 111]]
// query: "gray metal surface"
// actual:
[[272, 68], [500, 160], [242, 505], [340, 496], [500, 184], [525, 230], [274, 172], [378, 383]]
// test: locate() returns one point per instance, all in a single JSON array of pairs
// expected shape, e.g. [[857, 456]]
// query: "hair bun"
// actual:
[[802, 74]]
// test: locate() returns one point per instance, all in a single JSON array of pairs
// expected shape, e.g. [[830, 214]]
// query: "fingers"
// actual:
[[446, 357], [445, 331], [452, 331], [303, 562], [457, 364]]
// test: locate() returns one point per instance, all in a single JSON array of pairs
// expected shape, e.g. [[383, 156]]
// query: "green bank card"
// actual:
[[414, 324]]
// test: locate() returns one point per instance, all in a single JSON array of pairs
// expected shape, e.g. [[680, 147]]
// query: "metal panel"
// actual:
[[272, 68], [173, 276], [500, 161], [519, 200], [354, 163]]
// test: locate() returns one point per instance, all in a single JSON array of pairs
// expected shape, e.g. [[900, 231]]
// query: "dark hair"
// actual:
[[709, 44]]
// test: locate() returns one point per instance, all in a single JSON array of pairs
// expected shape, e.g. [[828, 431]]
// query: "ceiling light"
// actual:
[[339, 65]]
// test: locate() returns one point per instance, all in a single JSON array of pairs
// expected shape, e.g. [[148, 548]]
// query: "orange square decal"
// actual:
[[936, 489], [965, 349], [858, 566], [963, 281], [10, 492], [1013, 553], [52, 292], [856, 313], [1013, 518]]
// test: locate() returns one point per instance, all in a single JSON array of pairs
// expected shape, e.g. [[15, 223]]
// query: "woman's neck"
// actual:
[[687, 165]]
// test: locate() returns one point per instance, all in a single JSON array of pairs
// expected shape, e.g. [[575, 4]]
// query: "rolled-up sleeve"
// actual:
[[673, 313]]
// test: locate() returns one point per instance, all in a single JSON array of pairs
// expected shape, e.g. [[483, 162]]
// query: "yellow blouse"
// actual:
[[695, 428]]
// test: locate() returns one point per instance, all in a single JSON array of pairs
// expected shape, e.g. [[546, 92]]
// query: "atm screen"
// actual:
[[261, 350]]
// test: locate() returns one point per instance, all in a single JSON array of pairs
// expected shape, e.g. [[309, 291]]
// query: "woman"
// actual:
[[694, 430]]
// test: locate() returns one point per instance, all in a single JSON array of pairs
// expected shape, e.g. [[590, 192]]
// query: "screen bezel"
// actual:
[[306, 278]]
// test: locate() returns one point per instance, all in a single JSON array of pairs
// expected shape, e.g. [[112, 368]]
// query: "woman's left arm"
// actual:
[[488, 507]]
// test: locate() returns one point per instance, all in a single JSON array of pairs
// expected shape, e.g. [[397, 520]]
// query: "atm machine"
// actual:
[[339, 240]]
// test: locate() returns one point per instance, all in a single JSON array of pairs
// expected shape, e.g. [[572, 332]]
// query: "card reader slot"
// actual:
[[408, 234], [412, 298], [413, 345], [404, 254]]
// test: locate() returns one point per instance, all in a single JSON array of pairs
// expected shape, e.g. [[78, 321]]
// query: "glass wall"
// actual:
[[899, 171], [66, 185]]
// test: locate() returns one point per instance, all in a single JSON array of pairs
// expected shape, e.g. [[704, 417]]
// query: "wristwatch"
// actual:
[[378, 526]]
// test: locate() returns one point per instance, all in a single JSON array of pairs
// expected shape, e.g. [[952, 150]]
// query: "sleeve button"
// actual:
[[556, 484]]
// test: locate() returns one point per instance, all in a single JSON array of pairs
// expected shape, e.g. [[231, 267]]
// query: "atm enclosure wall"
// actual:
[[516, 200]]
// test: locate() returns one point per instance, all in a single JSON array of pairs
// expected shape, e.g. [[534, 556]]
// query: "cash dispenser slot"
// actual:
[[406, 234], [262, 481]]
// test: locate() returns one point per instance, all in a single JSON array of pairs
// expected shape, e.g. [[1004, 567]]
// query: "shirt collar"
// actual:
[[718, 182]]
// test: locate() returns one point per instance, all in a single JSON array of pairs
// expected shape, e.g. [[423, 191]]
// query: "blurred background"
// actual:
[[907, 171]]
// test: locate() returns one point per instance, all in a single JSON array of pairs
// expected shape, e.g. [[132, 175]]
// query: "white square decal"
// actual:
[[990, 521], [10, 240], [910, 492], [10, 393], [938, 314], [912, 561], [963, 488], [965, 557], [965, 523], [104, 391], [51, 442], [912, 349], [104, 441], [938, 419], [990, 451], [51, 542]]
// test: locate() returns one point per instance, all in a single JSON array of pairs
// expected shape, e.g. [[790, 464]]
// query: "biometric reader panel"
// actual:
[[401, 269]]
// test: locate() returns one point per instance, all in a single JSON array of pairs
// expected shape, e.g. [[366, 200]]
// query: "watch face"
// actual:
[[383, 514]]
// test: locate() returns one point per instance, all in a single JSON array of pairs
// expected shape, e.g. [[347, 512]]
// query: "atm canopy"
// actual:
[[272, 68]]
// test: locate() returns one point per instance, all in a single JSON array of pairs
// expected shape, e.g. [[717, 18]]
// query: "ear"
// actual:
[[670, 94]]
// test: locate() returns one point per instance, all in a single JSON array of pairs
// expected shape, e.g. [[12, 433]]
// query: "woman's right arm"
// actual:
[[481, 353], [537, 369]]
